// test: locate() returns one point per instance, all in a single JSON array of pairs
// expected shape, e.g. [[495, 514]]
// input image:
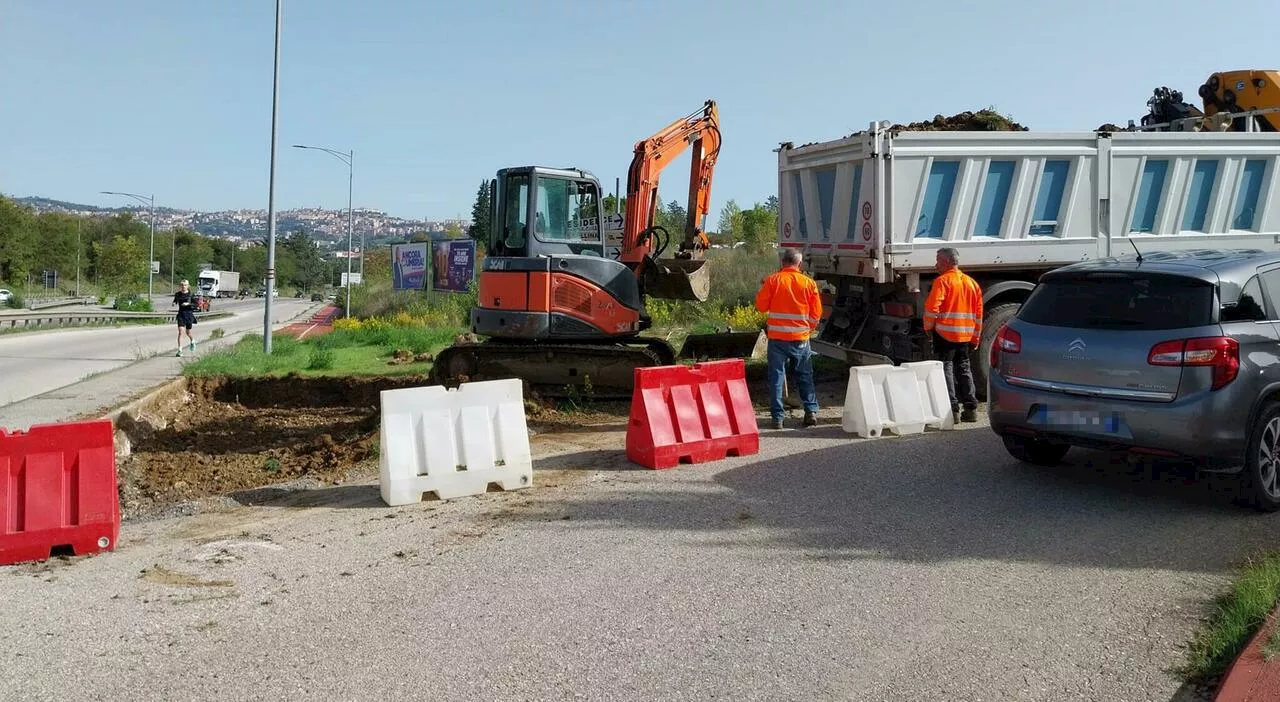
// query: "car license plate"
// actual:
[[1076, 420]]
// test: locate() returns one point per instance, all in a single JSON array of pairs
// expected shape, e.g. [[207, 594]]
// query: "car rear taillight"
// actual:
[[1222, 353], [1007, 341]]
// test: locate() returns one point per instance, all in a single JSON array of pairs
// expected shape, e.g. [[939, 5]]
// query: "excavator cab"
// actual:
[[540, 211], [547, 276]]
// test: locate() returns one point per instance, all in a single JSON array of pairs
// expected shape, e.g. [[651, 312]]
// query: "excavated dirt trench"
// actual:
[[222, 436]]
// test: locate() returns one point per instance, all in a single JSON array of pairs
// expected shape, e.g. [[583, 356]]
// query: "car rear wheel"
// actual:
[[1260, 481], [1037, 451]]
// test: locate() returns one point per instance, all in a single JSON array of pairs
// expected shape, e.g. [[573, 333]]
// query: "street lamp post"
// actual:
[[271, 191], [349, 159], [152, 255]]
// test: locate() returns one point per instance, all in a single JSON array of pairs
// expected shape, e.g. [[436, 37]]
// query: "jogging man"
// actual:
[[790, 300], [186, 314]]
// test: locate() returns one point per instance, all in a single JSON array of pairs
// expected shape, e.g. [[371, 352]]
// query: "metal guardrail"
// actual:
[[40, 303], [99, 317]]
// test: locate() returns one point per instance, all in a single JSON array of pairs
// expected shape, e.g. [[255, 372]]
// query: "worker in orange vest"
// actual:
[[953, 314], [791, 303]]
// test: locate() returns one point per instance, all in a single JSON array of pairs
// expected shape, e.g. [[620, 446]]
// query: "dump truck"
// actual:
[[870, 211], [213, 283]]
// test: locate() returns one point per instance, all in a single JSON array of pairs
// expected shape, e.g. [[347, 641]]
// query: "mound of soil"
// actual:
[[235, 435], [239, 435], [980, 121]]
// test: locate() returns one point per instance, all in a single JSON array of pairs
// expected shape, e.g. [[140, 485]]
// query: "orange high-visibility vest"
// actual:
[[954, 307], [790, 300]]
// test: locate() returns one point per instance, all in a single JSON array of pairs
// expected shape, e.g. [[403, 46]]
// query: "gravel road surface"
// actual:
[[926, 567], [40, 361]]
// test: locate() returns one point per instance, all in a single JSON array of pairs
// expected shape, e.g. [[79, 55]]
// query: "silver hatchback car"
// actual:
[[1173, 354]]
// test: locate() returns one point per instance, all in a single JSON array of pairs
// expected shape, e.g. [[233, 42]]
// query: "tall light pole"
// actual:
[[349, 159], [152, 255], [271, 192]]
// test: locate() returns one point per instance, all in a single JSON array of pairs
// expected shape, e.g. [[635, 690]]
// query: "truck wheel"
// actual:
[[980, 361]]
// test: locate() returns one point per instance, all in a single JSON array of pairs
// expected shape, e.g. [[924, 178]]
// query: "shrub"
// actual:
[[346, 324], [321, 358], [133, 303], [745, 318]]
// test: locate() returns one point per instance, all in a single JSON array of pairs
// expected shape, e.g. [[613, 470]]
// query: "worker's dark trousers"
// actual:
[[959, 374]]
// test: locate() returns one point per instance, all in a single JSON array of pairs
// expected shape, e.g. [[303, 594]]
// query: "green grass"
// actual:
[[362, 352], [1234, 619], [1272, 647]]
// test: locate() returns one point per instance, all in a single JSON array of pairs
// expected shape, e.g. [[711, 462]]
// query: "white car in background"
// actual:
[[6, 297]]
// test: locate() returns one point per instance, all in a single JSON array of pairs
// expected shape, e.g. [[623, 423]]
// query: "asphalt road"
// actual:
[[40, 361], [928, 567]]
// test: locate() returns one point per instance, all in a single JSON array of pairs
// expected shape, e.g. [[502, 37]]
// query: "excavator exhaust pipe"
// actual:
[[678, 279]]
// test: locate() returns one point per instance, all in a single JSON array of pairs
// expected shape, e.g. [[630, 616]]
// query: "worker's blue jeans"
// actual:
[[796, 356]]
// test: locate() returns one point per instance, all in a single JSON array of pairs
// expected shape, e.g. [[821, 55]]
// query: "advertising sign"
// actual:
[[409, 266], [453, 265]]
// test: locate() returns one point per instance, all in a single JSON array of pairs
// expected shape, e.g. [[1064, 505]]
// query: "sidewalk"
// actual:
[[96, 396]]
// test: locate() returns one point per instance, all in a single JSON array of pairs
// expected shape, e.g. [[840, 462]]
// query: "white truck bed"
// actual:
[[878, 204]]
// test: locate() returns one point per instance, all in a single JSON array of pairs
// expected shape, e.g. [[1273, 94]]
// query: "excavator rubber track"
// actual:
[[555, 369]]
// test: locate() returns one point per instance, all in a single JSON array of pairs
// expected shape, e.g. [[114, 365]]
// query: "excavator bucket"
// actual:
[[679, 279], [728, 344]]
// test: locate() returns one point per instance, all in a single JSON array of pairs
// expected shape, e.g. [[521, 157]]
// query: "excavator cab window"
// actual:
[[567, 212], [513, 192]]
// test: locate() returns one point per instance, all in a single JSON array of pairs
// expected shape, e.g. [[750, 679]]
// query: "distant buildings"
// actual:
[[327, 227]]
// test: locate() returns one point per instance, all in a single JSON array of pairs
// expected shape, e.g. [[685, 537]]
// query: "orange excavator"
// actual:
[[560, 308]]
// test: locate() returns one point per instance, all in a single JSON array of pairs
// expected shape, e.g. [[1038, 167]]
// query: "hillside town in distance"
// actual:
[[327, 227]]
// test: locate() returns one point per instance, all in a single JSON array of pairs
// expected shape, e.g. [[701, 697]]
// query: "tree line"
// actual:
[[755, 228], [110, 254]]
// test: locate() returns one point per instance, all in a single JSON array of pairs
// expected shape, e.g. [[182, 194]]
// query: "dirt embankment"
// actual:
[[223, 436], [233, 435]]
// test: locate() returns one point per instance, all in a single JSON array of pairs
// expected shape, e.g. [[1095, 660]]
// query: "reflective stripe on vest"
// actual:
[[958, 327], [778, 322]]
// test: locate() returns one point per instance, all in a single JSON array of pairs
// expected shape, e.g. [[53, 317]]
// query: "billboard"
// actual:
[[409, 266], [453, 264]]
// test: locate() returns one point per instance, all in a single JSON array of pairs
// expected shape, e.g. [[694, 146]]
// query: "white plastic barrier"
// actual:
[[900, 399], [453, 442]]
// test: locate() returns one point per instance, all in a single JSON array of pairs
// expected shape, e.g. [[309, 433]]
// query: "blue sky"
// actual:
[[174, 96]]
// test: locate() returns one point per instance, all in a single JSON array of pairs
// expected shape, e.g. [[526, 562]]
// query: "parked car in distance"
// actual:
[[1173, 354], [6, 297]]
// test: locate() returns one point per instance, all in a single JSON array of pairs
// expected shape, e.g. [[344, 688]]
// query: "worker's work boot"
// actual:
[[777, 424], [810, 419], [969, 415]]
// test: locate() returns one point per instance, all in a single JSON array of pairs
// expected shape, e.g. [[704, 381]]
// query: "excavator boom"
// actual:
[[686, 276]]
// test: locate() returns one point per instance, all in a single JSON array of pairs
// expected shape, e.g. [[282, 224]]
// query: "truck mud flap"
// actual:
[[704, 347]]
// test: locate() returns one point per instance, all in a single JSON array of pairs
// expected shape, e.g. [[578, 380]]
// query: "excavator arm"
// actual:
[[699, 131]]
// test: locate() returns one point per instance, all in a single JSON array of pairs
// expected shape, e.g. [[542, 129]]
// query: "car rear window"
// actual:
[[1120, 301]]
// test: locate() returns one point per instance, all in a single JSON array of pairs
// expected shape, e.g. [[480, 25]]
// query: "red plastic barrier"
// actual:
[[58, 490], [691, 414]]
